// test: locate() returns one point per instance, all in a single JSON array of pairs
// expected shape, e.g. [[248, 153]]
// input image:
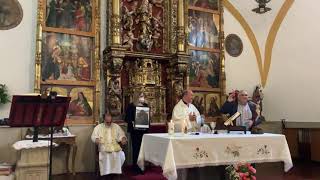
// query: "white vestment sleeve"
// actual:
[[178, 114], [95, 134]]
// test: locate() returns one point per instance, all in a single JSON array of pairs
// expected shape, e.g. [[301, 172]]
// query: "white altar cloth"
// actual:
[[29, 144], [186, 151]]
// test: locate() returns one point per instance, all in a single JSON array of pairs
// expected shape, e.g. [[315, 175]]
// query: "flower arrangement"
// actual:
[[241, 171], [4, 96]]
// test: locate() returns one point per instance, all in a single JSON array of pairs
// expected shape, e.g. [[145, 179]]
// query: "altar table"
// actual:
[[186, 151]]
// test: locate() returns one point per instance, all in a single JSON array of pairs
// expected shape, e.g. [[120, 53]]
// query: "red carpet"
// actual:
[[151, 173]]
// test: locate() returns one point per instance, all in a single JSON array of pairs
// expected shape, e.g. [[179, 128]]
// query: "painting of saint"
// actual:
[[213, 105], [208, 4], [81, 102], [69, 14], [80, 106], [66, 57], [198, 102], [204, 69], [203, 29]]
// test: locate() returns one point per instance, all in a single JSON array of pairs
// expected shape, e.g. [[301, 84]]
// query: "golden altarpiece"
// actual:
[[161, 47]]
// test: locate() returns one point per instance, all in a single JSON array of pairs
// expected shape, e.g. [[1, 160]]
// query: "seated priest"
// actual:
[[238, 102], [184, 112], [109, 136]]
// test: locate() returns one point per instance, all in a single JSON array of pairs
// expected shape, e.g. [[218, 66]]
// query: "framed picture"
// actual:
[[66, 57], [213, 105], [203, 30], [142, 118], [234, 45], [10, 14], [206, 4], [199, 102], [81, 105], [204, 69], [69, 15]]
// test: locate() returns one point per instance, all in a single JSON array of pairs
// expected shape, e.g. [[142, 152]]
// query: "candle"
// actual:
[[171, 128]]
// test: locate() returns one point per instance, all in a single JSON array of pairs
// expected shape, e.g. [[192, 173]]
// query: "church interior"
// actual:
[[69, 67]]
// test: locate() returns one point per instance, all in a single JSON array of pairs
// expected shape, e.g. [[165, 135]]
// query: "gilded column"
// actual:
[[222, 55], [37, 80], [97, 61], [115, 22], [181, 26]]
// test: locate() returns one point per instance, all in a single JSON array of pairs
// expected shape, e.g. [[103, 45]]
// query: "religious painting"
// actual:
[[233, 45], [204, 69], [66, 57], [207, 4], [10, 14], [67, 54], [81, 104], [203, 29], [73, 15], [213, 105], [142, 118], [199, 102]]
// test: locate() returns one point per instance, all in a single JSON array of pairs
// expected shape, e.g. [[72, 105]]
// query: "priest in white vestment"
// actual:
[[108, 136], [186, 114]]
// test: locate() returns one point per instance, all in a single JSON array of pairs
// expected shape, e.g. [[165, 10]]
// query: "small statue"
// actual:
[[128, 39]]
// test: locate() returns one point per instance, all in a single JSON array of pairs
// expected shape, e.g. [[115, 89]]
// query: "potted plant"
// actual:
[[4, 96], [241, 171]]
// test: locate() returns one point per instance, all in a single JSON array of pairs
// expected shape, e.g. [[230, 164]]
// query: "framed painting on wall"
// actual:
[[69, 16], [204, 70], [203, 30], [199, 102], [213, 103], [81, 105], [205, 4], [206, 64], [68, 55]]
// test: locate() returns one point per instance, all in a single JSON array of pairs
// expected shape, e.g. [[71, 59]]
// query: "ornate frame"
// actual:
[[94, 81], [222, 80]]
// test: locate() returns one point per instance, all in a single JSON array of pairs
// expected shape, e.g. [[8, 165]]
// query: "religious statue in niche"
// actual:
[[10, 14], [142, 24]]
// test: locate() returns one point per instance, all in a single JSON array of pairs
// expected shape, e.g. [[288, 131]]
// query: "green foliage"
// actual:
[[4, 96]]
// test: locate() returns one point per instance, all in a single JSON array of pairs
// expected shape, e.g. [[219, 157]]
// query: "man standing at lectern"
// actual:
[[108, 136], [186, 114]]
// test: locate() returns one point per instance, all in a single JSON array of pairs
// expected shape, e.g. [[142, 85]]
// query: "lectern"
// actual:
[[39, 111]]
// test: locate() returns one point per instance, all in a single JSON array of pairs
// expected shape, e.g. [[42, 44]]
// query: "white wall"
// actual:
[[17, 47], [17, 55], [292, 87]]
